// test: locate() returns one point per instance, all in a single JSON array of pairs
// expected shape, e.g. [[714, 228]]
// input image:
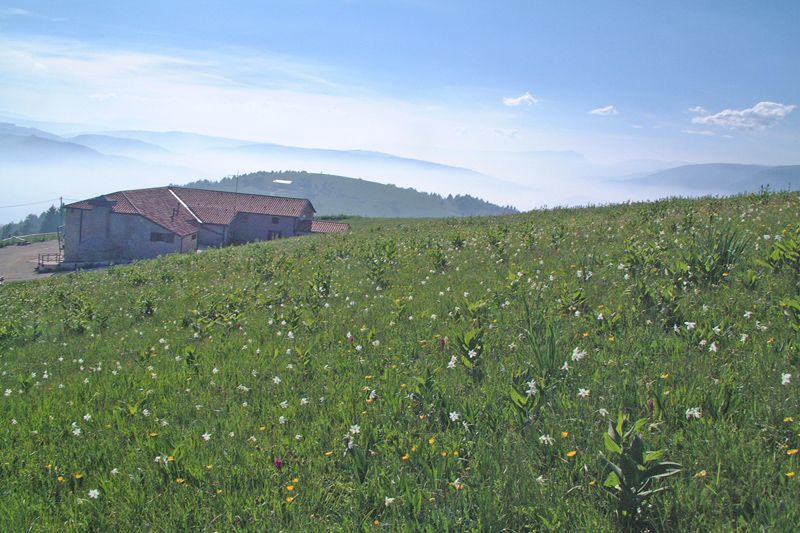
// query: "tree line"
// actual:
[[46, 222]]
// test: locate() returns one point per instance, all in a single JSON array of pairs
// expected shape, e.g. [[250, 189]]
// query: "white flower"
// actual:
[[290, 335], [145, 412], [87, 417], [713, 347], [565, 367], [690, 325], [206, 436], [786, 379], [547, 439], [7, 392], [282, 419], [303, 401], [747, 314], [215, 370], [578, 354], [693, 412], [376, 343], [532, 387], [472, 354], [603, 412], [452, 363], [583, 393], [454, 416], [94, 494], [75, 430], [276, 380], [284, 404], [744, 337], [114, 471], [354, 429], [387, 501]]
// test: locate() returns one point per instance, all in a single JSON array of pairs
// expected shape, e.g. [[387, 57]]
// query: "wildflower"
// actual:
[[355, 429], [454, 416], [452, 363], [532, 387], [284, 404], [793, 451], [583, 393], [290, 488], [790, 474], [701, 474], [472, 354], [693, 412], [546, 439], [114, 471], [432, 441], [94, 494], [690, 325], [215, 370], [406, 457], [564, 434], [713, 347], [786, 379], [278, 463], [206, 436], [180, 481], [578, 354], [572, 453], [387, 501], [289, 499], [145, 412], [602, 412], [282, 419], [565, 367], [276, 380]]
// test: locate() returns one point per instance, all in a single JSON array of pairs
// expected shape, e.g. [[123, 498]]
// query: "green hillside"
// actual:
[[335, 195], [419, 375]]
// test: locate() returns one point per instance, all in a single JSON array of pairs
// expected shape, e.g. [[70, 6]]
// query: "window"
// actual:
[[194, 236], [162, 237], [276, 220]]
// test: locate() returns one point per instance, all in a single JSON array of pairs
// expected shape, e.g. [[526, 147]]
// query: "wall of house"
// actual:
[[303, 225], [248, 227], [100, 235], [212, 235]]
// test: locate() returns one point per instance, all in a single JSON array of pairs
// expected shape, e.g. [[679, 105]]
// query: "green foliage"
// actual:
[[631, 479], [191, 391]]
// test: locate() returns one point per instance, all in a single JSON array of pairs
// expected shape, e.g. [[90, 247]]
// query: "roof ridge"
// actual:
[[132, 204]]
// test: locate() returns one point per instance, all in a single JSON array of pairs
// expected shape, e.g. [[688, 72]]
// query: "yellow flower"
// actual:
[[368, 377], [171, 458], [790, 474], [263, 428], [406, 457], [572, 454], [153, 434], [665, 375], [180, 481], [209, 467], [328, 453], [61, 479], [455, 453], [370, 400], [432, 441], [289, 499], [564, 434], [701, 474], [296, 480], [793, 451], [376, 522], [403, 385], [290, 488], [788, 419], [414, 448], [444, 454], [78, 475]]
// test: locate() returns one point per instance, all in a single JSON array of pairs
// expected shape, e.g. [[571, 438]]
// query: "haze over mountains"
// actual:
[[36, 163]]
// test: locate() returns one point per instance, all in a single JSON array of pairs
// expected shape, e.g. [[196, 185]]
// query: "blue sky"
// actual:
[[441, 80]]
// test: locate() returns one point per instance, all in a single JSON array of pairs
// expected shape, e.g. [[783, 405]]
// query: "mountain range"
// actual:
[[86, 163]]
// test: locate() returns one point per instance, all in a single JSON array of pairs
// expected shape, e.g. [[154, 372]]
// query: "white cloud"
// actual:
[[760, 116], [527, 99], [13, 11], [605, 111], [698, 110], [706, 133]]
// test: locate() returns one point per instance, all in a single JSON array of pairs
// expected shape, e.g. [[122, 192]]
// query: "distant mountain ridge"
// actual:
[[722, 178], [335, 195]]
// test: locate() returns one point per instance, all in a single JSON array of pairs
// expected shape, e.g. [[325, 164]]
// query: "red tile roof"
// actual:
[[181, 210], [324, 226]]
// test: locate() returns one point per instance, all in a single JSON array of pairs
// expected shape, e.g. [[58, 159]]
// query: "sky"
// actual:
[[448, 81]]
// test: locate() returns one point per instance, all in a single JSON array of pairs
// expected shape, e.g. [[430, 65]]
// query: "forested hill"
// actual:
[[334, 195]]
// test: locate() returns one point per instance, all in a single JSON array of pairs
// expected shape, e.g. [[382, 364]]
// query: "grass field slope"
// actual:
[[622, 367]]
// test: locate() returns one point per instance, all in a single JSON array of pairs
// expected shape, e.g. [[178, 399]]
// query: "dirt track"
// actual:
[[18, 263]]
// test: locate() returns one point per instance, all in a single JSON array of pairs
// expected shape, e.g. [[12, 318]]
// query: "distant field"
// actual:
[[456, 374]]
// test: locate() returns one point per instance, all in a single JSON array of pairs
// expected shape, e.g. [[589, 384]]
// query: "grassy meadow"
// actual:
[[627, 367]]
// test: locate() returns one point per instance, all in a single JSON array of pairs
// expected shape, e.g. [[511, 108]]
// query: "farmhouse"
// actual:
[[146, 223]]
